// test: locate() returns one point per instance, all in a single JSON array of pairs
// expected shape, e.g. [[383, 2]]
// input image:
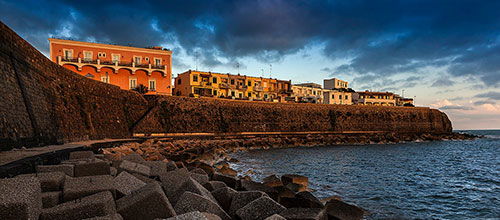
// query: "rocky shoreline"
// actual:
[[175, 179]]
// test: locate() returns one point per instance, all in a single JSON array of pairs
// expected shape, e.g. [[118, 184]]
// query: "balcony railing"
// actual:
[[112, 63], [224, 85]]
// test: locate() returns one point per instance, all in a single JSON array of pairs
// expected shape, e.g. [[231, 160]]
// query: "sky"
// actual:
[[445, 53]]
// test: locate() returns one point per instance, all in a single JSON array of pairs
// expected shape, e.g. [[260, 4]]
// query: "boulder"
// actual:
[[20, 198], [79, 187], [275, 217], [190, 202], [224, 197], [67, 169], [272, 181], [126, 183], [148, 202], [100, 204], [340, 210], [260, 208], [241, 199], [133, 167], [81, 155], [230, 181], [294, 178], [213, 185], [93, 168], [304, 214], [51, 181], [51, 199]]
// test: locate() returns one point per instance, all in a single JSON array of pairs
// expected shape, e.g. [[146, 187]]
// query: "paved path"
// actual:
[[18, 154]]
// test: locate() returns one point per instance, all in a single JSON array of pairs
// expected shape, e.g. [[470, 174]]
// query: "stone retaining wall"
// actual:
[[185, 114]]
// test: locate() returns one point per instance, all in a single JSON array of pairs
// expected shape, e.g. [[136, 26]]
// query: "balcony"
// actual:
[[98, 64], [224, 85]]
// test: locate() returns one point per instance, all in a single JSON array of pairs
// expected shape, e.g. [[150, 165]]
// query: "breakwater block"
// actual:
[[190, 202], [81, 155], [249, 185], [196, 215], [67, 169], [213, 185], [125, 183], [200, 178], [133, 167], [134, 157], [100, 204], [260, 208], [92, 168], [340, 210], [224, 196], [52, 181], [242, 198], [275, 217], [191, 185], [20, 198], [304, 214], [51, 199], [172, 182], [107, 217], [79, 187], [157, 168], [230, 181], [148, 202], [294, 178]]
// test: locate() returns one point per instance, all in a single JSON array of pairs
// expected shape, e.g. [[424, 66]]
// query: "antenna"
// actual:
[[196, 60], [262, 72], [270, 70], [403, 93], [238, 65]]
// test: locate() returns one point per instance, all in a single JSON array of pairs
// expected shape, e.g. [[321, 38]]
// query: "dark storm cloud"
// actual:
[[489, 95], [381, 38]]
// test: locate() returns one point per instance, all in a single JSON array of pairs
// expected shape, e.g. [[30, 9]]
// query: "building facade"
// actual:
[[126, 67], [374, 98], [225, 85], [307, 93], [335, 83], [339, 97]]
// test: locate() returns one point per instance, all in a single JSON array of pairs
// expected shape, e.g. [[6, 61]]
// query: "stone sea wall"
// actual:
[[43, 103], [184, 114]]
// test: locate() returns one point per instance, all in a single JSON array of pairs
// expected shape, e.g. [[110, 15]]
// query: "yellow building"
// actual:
[[225, 85], [374, 98]]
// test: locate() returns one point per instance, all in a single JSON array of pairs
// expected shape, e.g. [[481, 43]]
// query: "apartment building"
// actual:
[[307, 92], [123, 66], [374, 98], [224, 85]]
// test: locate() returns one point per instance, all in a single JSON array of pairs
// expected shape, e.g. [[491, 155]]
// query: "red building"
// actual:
[[126, 67]]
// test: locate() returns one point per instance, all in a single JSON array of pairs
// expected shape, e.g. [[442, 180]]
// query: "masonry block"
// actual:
[[67, 169], [92, 168], [52, 181], [148, 202], [20, 198], [79, 187], [132, 167], [81, 155], [125, 183], [99, 204]]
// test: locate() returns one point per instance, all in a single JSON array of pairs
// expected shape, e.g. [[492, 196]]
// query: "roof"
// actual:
[[109, 46], [376, 93]]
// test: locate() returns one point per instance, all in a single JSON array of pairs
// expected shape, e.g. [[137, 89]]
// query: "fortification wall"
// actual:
[[43, 103], [184, 114]]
